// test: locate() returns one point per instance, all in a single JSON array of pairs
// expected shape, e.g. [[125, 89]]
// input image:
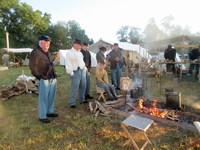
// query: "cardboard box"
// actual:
[[124, 74], [125, 83]]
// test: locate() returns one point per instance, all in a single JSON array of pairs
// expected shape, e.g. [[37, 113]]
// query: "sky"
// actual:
[[103, 18]]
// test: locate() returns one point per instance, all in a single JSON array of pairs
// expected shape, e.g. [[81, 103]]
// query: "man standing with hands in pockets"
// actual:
[[75, 66], [42, 67]]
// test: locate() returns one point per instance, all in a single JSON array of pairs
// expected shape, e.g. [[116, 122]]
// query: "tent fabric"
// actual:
[[26, 61], [19, 50], [60, 59], [125, 46], [174, 40]]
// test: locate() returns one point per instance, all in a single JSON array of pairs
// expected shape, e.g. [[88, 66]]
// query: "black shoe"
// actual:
[[73, 106], [85, 102], [87, 96], [52, 115], [118, 88], [44, 120], [116, 98]]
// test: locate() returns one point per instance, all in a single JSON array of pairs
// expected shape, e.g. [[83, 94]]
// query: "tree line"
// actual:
[[152, 32], [25, 26]]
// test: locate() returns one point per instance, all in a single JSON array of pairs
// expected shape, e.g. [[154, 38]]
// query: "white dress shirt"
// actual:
[[73, 60]]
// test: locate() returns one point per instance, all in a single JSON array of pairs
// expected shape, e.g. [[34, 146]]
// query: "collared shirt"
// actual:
[[101, 76], [74, 60], [86, 58]]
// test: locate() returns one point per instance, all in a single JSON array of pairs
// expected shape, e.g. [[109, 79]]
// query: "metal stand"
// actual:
[[125, 100]]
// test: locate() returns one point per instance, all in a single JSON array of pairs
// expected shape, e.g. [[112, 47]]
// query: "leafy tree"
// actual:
[[166, 23], [152, 32], [122, 32], [134, 35]]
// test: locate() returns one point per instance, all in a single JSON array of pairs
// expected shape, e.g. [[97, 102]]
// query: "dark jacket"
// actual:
[[86, 58], [41, 64], [100, 57], [171, 55], [114, 55], [194, 54]]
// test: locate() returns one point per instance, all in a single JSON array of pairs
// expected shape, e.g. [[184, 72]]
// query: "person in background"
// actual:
[[42, 67], [194, 54], [75, 66], [100, 55], [116, 60], [87, 60], [170, 55], [102, 81], [124, 65], [5, 59]]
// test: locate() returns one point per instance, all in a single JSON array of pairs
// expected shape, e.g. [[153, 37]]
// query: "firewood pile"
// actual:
[[7, 91], [97, 108]]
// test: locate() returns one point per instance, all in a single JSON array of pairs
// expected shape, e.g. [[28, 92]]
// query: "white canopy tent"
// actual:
[[135, 51], [20, 50], [60, 59]]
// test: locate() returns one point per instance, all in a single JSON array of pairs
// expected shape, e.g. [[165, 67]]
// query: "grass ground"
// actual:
[[77, 129]]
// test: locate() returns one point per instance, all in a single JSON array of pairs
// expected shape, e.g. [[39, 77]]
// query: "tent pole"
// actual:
[[139, 59], [126, 60], [7, 41], [182, 57], [146, 51]]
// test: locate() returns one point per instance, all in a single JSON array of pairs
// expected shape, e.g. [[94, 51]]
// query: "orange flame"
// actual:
[[154, 111], [141, 104]]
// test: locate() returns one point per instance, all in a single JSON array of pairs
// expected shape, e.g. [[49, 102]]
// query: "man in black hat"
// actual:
[[116, 60], [170, 55], [87, 60], [194, 54], [75, 66], [42, 67]]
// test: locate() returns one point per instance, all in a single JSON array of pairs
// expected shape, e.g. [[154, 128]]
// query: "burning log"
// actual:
[[163, 114], [133, 107], [156, 119]]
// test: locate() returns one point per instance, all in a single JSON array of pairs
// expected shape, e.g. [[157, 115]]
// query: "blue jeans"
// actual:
[[109, 90], [116, 73], [78, 83], [124, 68], [47, 93], [87, 90]]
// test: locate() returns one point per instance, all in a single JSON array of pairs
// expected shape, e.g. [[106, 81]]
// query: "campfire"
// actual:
[[154, 111]]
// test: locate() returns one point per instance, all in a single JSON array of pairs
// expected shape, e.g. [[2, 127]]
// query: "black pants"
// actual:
[[170, 68], [194, 67]]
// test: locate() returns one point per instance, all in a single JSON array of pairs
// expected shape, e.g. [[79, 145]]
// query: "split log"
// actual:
[[97, 113], [156, 119], [90, 107], [102, 108], [164, 114]]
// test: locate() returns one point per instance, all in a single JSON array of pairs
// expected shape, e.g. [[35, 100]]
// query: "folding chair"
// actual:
[[197, 124], [142, 124], [101, 91]]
